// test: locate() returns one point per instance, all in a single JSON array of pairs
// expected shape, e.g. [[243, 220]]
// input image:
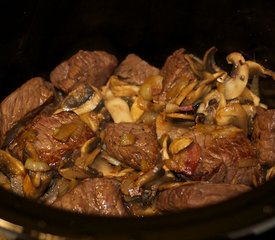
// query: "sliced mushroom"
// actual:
[[235, 58], [185, 91], [81, 100], [58, 188], [132, 185], [177, 87], [33, 191], [259, 70], [121, 88], [208, 61], [75, 172], [10, 166], [151, 87], [179, 144], [195, 63], [136, 111], [211, 103], [248, 95], [232, 114], [235, 85]]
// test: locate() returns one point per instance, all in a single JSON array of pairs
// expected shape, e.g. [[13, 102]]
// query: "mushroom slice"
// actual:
[[81, 100], [270, 173], [136, 111], [208, 61], [257, 69], [119, 110], [164, 143], [185, 91], [132, 185], [180, 116], [92, 119], [75, 172], [10, 166], [196, 94], [247, 94], [232, 114], [151, 87], [234, 86], [235, 58], [89, 151], [31, 190], [211, 103], [177, 87], [179, 144], [195, 64], [121, 88]]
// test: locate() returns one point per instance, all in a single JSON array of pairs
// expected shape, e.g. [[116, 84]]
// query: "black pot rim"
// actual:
[[240, 215]]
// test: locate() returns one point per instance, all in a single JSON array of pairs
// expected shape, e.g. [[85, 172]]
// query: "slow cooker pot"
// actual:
[[36, 35]]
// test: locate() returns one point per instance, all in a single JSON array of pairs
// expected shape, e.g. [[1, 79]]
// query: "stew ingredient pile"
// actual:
[[129, 139]]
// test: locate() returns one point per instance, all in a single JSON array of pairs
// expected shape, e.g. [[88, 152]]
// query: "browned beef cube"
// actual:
[[45, 136], [175, 67], [22, 104], [133, 144], [221, 154], [93, 68], [134, 70], [195, 195], [100, 196], [264, 136]]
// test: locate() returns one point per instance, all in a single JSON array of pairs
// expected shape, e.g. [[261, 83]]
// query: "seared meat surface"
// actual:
[[22, 104], [264, 136], [99, 196], [195, 195], [135, 70], [175, 67], [42, 135], [93, 68], [222, 154], [133, 144]]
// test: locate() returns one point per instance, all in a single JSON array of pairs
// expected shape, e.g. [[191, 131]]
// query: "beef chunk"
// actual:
[[175, 67], [93, 68], [21, 105], [196, 195], [134, 70], [45, 136], [100, 196], [218, 154], [264, 136], [141, 152]]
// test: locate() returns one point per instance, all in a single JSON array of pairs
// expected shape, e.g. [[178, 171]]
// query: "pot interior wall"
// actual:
[[38, 34]]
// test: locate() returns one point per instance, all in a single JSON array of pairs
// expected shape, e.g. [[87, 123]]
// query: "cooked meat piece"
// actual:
[[218, 154], [53, 137], [175, 67], [93, 68], [185, 161], [100, 196], [195, 195], [133, 144], [264, 136], [21, 105], [134, 70]]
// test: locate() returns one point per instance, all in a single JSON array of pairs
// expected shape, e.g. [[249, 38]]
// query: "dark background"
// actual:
[[37, 34]]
